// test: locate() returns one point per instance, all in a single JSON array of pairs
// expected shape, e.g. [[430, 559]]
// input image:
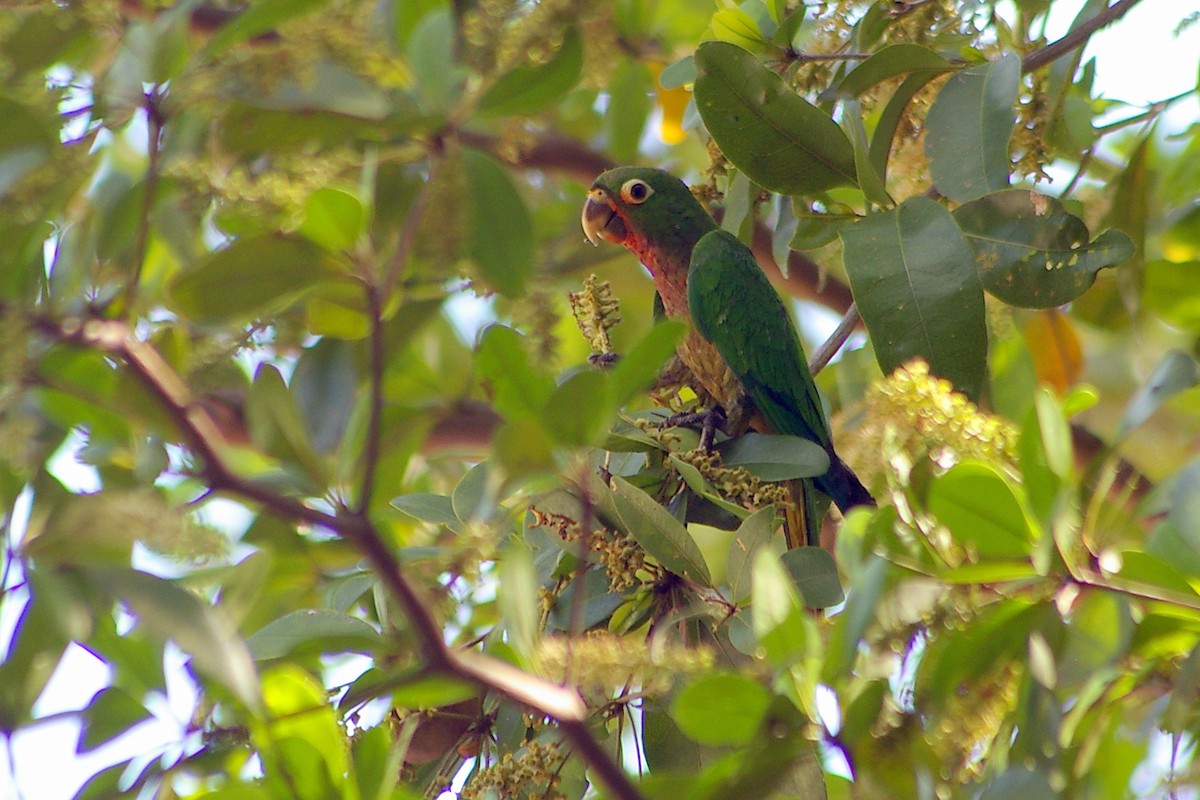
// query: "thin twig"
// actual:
[[1076, 37], [841, 333]]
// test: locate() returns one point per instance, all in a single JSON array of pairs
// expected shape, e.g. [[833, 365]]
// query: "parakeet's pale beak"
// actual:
[[600, 220]]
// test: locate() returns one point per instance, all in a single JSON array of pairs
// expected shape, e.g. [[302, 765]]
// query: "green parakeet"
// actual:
[[741, 347]]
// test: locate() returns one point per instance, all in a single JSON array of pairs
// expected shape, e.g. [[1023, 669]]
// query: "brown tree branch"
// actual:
[[1077, 37], [204, 439]]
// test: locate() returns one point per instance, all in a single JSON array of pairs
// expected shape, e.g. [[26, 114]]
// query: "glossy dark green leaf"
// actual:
[[500, 231], [919, 294], [529, 89], [775, 457], [982, 510], [313, 630], [816, 576], [1031, 252], [518, 390], [251, 276], [663, 537], [721, 709], [968, 128], [781, 141], [893, 60], [870, 178], [1176, 372], [893, 113]]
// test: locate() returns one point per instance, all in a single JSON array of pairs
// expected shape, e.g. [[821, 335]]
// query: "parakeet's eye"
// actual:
[[635, 191]]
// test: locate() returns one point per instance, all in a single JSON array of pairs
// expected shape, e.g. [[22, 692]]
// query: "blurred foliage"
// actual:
[[317, 261]]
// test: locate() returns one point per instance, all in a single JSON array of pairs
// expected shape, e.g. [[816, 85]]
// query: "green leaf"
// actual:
[[1172, 291], [968, 128], [313, 630], [530, 89], [111, 712], [325, 385], [775, 457], [777, 613], [430, 54], [893, 113], [257, 19], [171, 612], [518, 391], [893, 60], [629, 104], [1030, 252], [638, 369], [579, 410], [816, 576], [254, 275], [500, 229], [721, 709], [679, 74], [781, 141], [870, 178], [334, 219], [471, 495], [909, 271], [25, 143], [428, 507], [756, 531], [1176, 372], [733, 25], [663, 537], [990, 572], [276, 425], [517, 594], [982, 510]]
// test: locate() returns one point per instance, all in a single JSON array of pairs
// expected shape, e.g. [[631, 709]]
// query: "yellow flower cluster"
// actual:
[[533, 773], [621, 556], [596, 312], [602, 661], [735, 483], [922, 416]]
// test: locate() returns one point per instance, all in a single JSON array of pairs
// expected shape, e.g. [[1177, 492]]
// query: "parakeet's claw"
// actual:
[[604, 360], [710, 420]]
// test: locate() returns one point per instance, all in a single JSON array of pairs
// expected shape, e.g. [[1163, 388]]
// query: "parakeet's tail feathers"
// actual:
[[801, 522], [843, 486]]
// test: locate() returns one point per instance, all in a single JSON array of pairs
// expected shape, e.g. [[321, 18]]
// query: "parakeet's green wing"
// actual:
[[734, 306]]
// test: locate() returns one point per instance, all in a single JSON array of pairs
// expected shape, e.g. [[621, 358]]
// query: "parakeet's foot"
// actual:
[[709, 421], [604, 360]]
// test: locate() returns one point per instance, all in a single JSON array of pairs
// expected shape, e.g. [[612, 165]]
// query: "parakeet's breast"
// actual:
[[713, 375], [698, 354]]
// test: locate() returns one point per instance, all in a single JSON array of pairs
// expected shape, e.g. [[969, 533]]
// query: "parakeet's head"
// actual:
[[646, 210]]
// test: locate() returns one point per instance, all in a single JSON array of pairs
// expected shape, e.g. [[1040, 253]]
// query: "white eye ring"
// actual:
[[636, 191]]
